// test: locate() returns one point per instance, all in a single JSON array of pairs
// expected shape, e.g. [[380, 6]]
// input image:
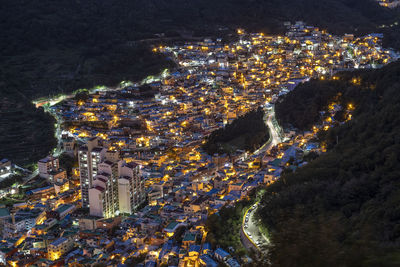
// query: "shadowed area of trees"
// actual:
[[247, 132], [342, 209], [26, 133]]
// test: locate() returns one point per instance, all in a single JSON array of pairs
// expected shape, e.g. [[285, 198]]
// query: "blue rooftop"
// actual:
[[222, 253], [59, 241], [208, 261], [194, 248]]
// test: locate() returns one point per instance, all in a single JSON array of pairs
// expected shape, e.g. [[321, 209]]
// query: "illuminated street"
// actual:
[[252, 231]]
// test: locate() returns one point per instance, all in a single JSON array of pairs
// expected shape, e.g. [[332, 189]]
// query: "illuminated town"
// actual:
[[144, 186], [389, 3]]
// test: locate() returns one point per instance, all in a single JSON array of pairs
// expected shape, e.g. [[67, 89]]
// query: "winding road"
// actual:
[[250, 232], [275, 132]]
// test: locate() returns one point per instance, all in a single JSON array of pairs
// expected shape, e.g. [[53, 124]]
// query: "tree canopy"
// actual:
[[342, 208], [247, 132]]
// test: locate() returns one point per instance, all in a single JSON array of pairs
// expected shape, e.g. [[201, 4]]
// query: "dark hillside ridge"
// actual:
[[32, 25], [342, 209]]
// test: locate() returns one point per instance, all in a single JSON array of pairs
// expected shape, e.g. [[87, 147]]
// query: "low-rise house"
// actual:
[[109, 223], [207, 261], [188, 239], [59, 247], [170, 229], [46, 165], [87, 223], [18, 222], [232, 263], [57, 176], [221, 254], [62, 211], [194, 251], [62, 186]]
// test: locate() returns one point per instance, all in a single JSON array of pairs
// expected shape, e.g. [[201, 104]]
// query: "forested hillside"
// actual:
[[247, 132], [342, 209], [43, 25], [26, 133], [302, 107]]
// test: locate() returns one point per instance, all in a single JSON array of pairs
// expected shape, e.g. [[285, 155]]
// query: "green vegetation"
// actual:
[[247, 132], [9, 202], [68, 162], [304, 114], [301, 108], [20, 139], [392, 35], [26, 133], [224, 227], [9, 181], [342, 209]]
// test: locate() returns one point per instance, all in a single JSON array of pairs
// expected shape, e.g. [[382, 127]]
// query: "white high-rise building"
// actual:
[[131, 191], [90, 155], [109, 186], [117, 188], [103, 195]]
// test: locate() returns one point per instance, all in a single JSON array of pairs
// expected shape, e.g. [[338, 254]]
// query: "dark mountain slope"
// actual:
[[342, 209]]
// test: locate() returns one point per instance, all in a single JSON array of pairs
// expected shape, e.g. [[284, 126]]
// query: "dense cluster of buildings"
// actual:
[[144, 188], [389, 3]]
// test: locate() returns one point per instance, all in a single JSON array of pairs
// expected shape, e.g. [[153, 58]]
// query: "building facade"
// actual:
[[117, 188], [90, 155], [131, 190], [48, 165], [59, 247], [103, 195], [109, 186]]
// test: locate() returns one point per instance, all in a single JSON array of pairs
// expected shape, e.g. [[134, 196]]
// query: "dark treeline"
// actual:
[[247, 132], [224, 227], [31, 25], [301, 108], [342, 209], [26, 133]]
